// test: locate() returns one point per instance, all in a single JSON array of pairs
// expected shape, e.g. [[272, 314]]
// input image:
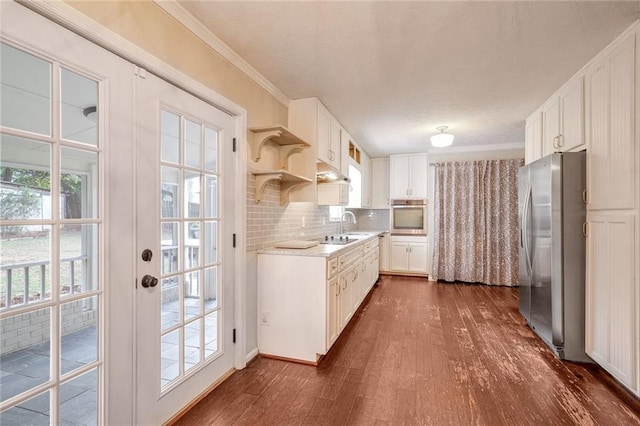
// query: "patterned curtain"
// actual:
[[476, 222]]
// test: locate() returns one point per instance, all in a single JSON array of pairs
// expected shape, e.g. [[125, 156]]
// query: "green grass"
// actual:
[[38, 249]]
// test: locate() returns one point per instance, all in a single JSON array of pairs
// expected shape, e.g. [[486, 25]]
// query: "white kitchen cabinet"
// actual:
[[409, 254], [408, 176], [380, 183], [385, 252], [348, 293], [611, 157], [563, 118], [333, 311], [365, 171], [333, 194], [610, 294], [345, 141], [313, 121], [533, 137]]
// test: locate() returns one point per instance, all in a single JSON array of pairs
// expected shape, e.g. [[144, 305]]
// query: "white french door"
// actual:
[[185, 259], [62, 105]]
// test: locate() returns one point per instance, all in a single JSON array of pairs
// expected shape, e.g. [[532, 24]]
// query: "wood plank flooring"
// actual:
[[419, 352]]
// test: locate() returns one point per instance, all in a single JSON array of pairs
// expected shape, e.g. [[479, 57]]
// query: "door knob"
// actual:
[[147, 255], [149, 281]]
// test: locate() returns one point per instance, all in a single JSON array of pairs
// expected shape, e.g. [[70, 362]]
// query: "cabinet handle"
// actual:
[[556, 142], [584, 196], [560, 140], [585, 230]]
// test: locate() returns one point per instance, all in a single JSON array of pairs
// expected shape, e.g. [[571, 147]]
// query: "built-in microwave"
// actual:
[[409, 217]]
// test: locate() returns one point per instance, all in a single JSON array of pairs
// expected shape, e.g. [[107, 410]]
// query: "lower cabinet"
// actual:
[[611, 333], [305, 301], [409, 254]]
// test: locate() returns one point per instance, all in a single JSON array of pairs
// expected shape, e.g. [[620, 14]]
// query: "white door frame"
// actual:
[[70, 18]]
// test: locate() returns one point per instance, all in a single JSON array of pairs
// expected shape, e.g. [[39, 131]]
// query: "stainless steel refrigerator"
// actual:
[[552, 251]]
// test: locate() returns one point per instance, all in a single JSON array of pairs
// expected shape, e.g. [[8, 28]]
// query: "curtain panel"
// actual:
[[476, 222]]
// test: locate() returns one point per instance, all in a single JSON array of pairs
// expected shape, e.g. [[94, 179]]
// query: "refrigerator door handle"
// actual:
[[525, 228]]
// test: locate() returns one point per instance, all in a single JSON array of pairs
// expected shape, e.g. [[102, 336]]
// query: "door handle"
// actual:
[[149, 281]]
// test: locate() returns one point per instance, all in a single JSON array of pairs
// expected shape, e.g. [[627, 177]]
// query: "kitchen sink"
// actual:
[[339, 240]]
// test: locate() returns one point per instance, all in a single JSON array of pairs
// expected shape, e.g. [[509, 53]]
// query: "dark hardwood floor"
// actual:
[[419, 352]]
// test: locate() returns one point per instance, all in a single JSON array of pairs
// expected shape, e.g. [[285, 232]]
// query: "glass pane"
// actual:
[[79, 343], [25, 83], [79, 400], [210, 334], [211, 196], [191, 245], [25, 349], [170, 192], [34, 411], [192, 143], [192, 344], [78, 258], [25, 259], [78, 184], [210, 243], [170, 137], [191, 295], [169, 247], [25, 172], [210, 288], [79, 108], [192, 194], [210, 150], [170, 357], [170, 302]]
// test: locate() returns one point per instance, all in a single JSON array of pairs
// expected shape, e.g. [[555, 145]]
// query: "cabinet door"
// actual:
[[418, 258], [365, 169], [324, 134], [610, 295], [611, 155], [380, 183], [418, 176], [398, 176], [550, 126], [385, 252], [572, 103], [399, 256], [345, 138], [533, 138], [334, 144], [333, 310]]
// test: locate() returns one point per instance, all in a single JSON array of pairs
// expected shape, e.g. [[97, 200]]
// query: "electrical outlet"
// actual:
[[264, 320]]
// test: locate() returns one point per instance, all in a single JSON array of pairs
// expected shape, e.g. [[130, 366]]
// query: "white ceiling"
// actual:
[[391, 72]]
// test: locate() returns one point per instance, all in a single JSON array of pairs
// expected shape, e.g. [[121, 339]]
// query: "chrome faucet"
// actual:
[[342, 220]]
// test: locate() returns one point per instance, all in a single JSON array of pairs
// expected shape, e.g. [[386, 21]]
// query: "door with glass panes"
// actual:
[[185, 262], [58, 98]]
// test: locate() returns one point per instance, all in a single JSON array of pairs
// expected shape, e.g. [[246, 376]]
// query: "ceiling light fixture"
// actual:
[[91, 113], [442, 139]]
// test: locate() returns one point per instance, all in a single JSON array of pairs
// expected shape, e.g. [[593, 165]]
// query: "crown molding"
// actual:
[[477, 148], [191, 23]]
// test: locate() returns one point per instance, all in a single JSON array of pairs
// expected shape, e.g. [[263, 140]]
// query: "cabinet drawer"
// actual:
[[332, 267], [370, 245], [347, 259]]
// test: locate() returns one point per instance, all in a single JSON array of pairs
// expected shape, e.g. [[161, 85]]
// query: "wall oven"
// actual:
[[409, 217]]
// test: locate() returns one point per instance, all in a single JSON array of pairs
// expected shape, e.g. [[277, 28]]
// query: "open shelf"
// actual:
[[287, 141], [287, 182]]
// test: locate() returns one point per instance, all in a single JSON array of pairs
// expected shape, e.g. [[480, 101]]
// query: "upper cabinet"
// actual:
[[312, 121], [365, 170], [408, 176], [380, 183], [563, 118], [612, 147]]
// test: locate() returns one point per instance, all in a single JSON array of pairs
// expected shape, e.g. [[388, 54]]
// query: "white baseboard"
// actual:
[[251, 355]]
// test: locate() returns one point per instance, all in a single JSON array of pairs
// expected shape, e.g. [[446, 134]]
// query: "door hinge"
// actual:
[[234, 240], [234, 335], [234, 144]]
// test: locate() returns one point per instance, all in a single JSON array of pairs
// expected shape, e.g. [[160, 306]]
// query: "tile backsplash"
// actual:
[[268, 222]]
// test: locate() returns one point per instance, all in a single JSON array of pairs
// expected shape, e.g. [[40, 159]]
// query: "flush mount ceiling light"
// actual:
[[91, 113], [442, 139]]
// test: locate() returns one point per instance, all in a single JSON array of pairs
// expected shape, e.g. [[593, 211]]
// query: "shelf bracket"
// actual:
[[287, 150], [285, 189], [257, 140], [261, 181]]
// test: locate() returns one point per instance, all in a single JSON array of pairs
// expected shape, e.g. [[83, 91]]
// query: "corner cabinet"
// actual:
[[270, 149], [408, 176]]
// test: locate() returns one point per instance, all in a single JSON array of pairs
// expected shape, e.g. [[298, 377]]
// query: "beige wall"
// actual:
[[151, 28]]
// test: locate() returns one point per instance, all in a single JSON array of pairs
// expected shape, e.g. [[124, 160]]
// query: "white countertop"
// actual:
[[324, 250]]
